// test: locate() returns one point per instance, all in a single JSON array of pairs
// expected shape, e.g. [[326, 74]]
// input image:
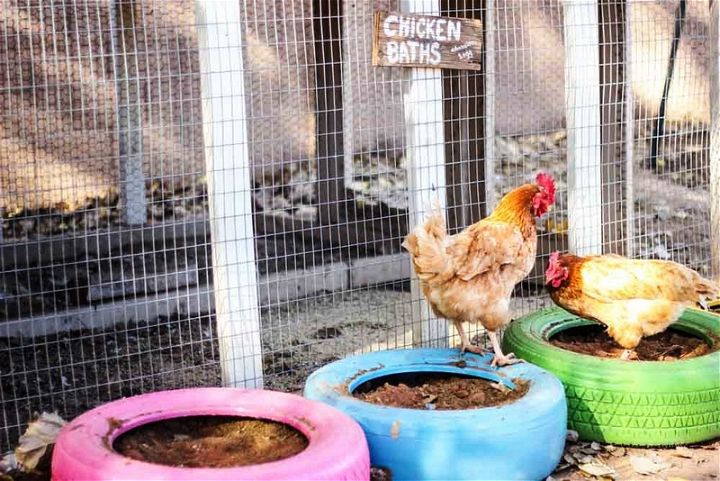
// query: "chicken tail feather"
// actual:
[[426, 245], [707, 290]]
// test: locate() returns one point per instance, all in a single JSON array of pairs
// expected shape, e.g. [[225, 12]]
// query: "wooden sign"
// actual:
[[408, 40]]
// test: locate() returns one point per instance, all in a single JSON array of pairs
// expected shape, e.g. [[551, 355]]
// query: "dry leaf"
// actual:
[[36, 443], [642, 465], [569, 459], [572, 436], [618, 452], [499, 386], [8, 463], [584, 459], [430, 399], [597, 469], [677, 479], [595, 446], [683, 452]]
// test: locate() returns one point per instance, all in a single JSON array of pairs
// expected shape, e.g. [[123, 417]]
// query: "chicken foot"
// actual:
[[465, 342], [500, 359]]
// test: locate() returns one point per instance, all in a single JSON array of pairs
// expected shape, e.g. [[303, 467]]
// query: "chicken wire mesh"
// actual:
[[106, 256]]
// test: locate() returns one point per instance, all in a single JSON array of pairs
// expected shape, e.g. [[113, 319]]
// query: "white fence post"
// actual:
[[229, 191], [349, 103], [423, 107], [715, 136], [489, 121], [582, 103]]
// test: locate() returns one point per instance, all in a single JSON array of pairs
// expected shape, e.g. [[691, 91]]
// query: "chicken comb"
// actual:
[[553, 264], [554, 257], [546, 182]]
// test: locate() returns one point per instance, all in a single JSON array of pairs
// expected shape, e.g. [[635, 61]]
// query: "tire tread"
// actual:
[[601, 411]]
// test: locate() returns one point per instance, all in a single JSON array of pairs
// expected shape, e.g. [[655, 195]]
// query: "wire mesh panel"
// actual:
[[670, 73], [128, 137], [94, 307]]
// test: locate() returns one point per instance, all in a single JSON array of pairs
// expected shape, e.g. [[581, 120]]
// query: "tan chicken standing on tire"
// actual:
[[470, 276]]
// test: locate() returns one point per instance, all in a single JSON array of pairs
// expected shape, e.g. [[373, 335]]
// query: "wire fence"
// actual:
[[124, 126]]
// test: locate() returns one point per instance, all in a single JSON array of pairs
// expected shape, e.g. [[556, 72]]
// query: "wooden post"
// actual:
[[333, 197], [715, 136], [464, 109], [229, 192], [423, 106], [582, 103], [129, 112], [466, 128]]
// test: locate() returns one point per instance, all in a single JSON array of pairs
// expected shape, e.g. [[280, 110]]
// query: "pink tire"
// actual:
[[337, 448]]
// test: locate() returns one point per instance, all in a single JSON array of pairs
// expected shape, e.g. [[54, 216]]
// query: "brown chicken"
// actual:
[[469, 276], [632, 298]]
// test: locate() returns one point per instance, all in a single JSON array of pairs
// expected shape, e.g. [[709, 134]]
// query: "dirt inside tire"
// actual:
[[211, 442], [438, 391], [380, 474], [671, 345]]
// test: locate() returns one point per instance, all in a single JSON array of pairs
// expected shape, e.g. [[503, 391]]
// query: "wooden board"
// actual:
[[408, 40]]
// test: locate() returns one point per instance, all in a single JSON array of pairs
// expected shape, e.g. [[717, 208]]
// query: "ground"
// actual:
[[699, 462], [297, 338]]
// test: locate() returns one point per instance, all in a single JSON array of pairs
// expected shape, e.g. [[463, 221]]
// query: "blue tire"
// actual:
[[520, 440]]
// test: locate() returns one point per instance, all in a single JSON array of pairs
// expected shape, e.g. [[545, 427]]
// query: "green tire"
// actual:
[[635, 403]]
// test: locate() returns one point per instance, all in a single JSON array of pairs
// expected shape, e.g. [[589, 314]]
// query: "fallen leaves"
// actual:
[[38, 440], [645, 465], [595, 461], [35, 445], [615, 451], [599, 470], [586, 457], [683, 452]]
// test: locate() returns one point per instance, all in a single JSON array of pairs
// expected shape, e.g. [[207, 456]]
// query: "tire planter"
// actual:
[[337, 448], [641, 403], [714, 306], [520, 440]]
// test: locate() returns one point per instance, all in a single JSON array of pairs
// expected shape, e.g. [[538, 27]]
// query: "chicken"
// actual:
[[470, 276], [632, 298]]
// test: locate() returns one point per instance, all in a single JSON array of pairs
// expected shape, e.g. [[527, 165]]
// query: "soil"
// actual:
[[438, 391], [671, 345], [380, 474], [211, 442]]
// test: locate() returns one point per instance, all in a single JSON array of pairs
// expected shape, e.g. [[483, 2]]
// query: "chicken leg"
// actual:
[[465, 342], [500, 359]]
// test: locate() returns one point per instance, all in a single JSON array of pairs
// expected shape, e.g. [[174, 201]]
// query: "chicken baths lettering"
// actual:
[[426, 41]]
